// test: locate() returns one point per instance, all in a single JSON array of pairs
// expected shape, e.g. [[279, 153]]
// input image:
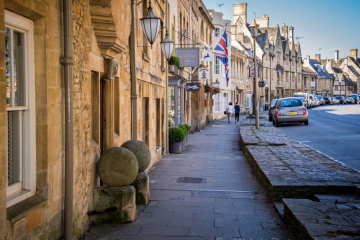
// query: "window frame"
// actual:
[[28, 125]]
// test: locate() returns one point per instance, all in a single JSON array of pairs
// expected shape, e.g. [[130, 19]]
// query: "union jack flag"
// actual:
[[221, 52]]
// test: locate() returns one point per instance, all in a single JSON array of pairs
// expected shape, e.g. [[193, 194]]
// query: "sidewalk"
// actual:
[[224, 200]]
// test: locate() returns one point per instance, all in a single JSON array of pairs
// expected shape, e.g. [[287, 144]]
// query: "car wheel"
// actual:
[[273, 122], [277, 123], [270, 118], [306, 122]]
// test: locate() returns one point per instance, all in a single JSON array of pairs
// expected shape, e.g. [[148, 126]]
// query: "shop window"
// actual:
[[20, 107], [248, 100]]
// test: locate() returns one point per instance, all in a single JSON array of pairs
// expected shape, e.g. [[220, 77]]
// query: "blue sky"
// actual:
[[325, 24]]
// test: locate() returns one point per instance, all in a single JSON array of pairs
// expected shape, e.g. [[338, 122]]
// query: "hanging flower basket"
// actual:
[[211, 89]]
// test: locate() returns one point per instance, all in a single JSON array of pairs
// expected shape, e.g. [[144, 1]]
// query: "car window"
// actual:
[[290, 103], [299, 95]]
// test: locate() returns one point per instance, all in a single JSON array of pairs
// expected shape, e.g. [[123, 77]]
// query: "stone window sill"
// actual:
[[22, 209]]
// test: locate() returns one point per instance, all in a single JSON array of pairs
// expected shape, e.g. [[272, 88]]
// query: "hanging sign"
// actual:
[[204, 74], [252, 71], [192, 87], [189, 57], [206, 56]]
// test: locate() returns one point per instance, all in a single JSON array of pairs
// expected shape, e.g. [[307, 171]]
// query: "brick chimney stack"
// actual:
[[285, 31], [318, 57], [354, 53], [291, 34], [240, 10]]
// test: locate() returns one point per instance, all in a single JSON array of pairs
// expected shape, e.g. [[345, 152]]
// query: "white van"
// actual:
[[305, 96]]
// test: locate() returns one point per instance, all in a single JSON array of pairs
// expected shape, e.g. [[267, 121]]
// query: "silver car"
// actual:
[[289, 110]]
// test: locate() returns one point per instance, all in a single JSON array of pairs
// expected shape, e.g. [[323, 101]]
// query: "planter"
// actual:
[[175, 147], [186, 138], [183, 143], [181, 72], [173, 69]]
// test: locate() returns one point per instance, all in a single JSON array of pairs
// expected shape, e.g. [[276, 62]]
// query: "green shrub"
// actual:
[[176, 134], [187, 126], [174, 60], [184, 128]]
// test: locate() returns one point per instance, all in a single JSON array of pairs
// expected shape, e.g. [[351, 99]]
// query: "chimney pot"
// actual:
[[336, 55]]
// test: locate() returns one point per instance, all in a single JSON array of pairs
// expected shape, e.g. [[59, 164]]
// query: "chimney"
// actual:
[[291, 34], [354, 54], [240, 10], [318, 57], [336, 55], [285, 31]]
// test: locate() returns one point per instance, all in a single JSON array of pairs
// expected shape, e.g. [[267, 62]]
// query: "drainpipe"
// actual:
[[134, 96], [67, 60]]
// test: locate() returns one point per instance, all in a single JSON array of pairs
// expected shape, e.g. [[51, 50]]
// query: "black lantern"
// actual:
[[150, 25], [254, 29], [167, 46]]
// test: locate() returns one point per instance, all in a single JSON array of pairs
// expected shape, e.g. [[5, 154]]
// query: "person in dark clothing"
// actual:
[[237, 112]]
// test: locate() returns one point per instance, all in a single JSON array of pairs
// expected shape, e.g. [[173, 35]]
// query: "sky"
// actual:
[[326, 25]]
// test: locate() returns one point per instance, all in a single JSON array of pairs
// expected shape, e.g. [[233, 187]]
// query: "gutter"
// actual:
[[67, 60]]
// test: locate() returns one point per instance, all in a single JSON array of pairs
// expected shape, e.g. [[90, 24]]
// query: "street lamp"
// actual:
[[254, 32], [150, 25], [167, 46]]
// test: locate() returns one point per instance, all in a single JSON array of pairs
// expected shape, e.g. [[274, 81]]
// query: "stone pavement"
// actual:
[[207, 192], [316, 196]]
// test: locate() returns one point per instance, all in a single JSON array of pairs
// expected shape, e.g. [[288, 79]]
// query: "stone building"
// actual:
[[322, 83], [222, 99], [117, 96], [346, 72], [277, 53]]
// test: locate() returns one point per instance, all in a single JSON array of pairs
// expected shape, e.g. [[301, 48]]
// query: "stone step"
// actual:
[[309, 219], [279, 208]]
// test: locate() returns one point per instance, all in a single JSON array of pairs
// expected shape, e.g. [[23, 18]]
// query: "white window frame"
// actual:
[[226, 100], [217, 32], [27, 186], [217, 102], [248, 100], [217, 65]]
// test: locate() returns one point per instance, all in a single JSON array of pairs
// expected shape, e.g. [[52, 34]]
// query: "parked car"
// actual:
[[350, 100], [271, 109], [335, 100], [303, 95], [321, 100], [290, 110], [317, 102], [328, 100], [355, 97], [312, 100], [305, 103], [341, 99]]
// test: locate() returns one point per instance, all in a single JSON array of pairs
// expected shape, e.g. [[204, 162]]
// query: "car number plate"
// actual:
[[291, 113]]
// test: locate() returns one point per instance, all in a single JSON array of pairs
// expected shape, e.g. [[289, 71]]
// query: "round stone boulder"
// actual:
[[118, 167], [141, 151]]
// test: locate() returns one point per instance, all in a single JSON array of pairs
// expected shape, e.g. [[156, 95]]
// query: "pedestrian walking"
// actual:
[[237, 112], [229, 110]]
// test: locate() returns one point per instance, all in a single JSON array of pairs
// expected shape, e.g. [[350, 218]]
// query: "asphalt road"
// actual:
[[333, 130]]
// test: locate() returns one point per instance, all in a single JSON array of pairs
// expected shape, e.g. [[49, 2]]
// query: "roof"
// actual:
[[348, 82], [337, 70], [271, 33], [321, 73], [354, 71], [261, 38], [307, 70]]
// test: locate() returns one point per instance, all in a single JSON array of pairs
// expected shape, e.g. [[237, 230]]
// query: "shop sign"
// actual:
[[192, 87], [252, 71], [204, 74], [206, 56], [189, 57]]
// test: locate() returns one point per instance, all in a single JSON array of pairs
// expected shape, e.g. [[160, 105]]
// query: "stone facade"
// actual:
[[102, 107]]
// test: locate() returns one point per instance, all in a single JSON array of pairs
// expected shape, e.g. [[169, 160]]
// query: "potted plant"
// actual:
[[174, 64], [188, 129], [185, 130], [176, 136]]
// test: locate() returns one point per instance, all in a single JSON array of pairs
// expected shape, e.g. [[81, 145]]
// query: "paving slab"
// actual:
[[175, 211]]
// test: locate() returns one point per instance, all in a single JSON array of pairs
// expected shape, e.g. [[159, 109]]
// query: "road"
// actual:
[[333, 130]]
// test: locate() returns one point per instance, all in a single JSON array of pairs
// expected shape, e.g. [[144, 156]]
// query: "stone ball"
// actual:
[[141, 151], [118, 167]]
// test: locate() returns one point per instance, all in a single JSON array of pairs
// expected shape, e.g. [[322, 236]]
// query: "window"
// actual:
[[226, 100], [216, 65], [305, 81], [217, 103], [20, 106], [117, 106], [248, 100], [247, 81], [319, 82], [336, 88], [216, 32], [325, 83]]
